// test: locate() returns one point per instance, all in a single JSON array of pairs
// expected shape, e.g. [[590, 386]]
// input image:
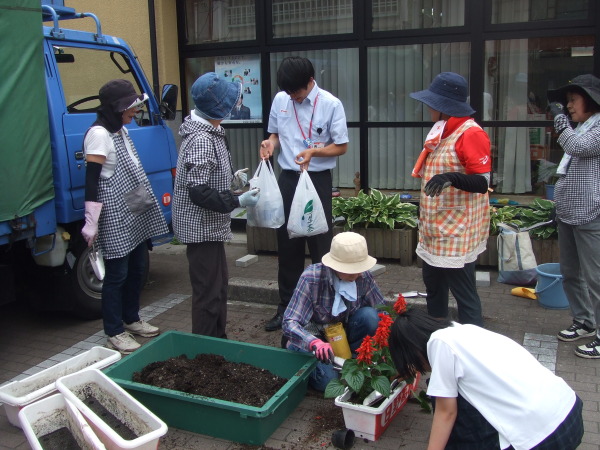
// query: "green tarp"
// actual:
[[25, 162]]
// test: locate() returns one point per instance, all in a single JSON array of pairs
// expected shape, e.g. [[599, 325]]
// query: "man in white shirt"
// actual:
[[308, 125]]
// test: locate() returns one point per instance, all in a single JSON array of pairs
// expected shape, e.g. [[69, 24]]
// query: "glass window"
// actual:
[[83, 71], [336, 71], [311, 17], [508, 11], [244, 69], [222, 21], [518, 74], [349, 163], [395, 71], [392, 156], [389, 15]]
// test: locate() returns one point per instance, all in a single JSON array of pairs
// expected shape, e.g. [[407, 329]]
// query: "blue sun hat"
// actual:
[[214, 97], [447, 94]]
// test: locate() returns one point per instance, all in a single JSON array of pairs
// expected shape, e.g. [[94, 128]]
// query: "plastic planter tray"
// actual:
[[45, 416], [210, 416], [17, 394], [127, 410]]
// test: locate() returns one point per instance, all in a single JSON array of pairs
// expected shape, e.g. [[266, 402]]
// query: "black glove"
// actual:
[[556, 109], [437, 184]]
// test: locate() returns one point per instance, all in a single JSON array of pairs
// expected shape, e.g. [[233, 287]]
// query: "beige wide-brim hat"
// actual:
[[349, 254]]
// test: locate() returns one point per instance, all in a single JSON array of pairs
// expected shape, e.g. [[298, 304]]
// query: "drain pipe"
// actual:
[[153, 49]]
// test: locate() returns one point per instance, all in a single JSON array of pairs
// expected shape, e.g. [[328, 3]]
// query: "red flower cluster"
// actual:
[[400, 305], [383, 330], [364, 353]]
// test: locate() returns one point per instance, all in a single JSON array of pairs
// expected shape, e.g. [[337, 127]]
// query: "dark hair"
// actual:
[[589, 104], [408, 341], [294, 73]]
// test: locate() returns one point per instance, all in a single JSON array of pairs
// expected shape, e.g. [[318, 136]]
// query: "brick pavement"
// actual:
[[253, 298]]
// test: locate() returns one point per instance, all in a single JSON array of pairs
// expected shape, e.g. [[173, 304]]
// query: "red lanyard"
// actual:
[[311, 118]]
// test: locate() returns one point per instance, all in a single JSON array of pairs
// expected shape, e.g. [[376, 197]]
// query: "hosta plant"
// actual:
[[524, 217], [375, 210]]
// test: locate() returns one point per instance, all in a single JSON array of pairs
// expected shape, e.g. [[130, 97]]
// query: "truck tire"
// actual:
[[85, 287]]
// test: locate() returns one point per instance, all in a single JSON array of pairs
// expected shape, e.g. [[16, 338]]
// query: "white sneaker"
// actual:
[[124, 343], [142, 328]]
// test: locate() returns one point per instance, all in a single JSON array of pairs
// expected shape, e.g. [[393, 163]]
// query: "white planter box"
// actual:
[[368, 422], [147, 427], [53, 413], [17, 394]]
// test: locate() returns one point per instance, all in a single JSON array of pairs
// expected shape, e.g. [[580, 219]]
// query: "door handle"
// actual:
[[79, 155]]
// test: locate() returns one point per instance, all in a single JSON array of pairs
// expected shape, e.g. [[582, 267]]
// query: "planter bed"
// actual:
[[211, 416], [382, 243]]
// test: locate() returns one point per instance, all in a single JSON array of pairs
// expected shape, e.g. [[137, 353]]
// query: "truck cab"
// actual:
[[48, 246]]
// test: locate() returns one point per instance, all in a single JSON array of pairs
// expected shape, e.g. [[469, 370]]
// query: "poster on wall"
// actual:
[[244, 69]]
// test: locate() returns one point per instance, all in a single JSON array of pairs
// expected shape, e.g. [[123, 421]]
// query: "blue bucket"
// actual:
[[549, 288]]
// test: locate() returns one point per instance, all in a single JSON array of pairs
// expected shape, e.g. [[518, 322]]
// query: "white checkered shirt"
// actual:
[[204, 159], [577, 194]]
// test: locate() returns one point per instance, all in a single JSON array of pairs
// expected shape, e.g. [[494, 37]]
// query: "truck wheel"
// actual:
[[86, 292], [86, 288]]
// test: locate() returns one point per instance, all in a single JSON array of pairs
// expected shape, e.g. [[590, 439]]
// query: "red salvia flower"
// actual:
[[400, 305], [365, 351], [383, 330]]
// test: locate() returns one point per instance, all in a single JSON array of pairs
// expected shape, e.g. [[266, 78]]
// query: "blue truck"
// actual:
[[50, 77]]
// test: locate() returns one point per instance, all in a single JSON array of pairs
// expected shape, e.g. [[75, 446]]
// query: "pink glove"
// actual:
[[90, 229], [322, 350]]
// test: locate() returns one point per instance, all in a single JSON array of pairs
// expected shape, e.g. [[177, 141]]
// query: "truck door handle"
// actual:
[[79, 156]]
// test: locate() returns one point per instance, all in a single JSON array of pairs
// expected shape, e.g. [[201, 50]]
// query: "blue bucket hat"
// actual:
[[447, 94], [214, 97]]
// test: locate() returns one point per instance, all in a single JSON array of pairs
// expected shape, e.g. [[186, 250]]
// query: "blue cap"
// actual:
[[447, 94], [214, 97]]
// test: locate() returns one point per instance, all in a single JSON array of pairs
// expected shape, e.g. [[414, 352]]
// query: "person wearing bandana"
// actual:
[[577, 197], [454, 167], [121, 213], [339, 289]]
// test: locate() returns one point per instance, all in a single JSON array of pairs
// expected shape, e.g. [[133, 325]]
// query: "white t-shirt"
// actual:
[[98, 141], [519, 397]]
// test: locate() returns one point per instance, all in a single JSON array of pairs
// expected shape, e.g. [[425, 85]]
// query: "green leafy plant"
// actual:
[[375, 210], [424, 401], [524, 217], [373, 369]]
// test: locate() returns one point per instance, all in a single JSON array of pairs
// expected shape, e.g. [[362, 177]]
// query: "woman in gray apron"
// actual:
[[121, 213]]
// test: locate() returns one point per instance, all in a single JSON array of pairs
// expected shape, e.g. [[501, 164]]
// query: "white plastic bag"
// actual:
[[307, 217], [268, 212]]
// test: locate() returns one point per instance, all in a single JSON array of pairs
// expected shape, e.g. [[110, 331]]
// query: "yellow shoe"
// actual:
[[524, 292]]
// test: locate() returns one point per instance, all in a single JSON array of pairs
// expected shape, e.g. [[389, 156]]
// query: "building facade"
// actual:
[[372, 54]]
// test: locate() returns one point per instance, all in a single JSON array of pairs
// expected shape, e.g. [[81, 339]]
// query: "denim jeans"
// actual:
[[360, 324], [123, 282]]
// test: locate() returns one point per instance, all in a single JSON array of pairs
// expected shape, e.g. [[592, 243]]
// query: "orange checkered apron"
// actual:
[[454, 224]]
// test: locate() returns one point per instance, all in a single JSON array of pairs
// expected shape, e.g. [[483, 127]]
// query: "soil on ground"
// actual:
[[213, 376]]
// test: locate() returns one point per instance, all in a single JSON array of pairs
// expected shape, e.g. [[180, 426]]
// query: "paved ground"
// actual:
[[29, 342]]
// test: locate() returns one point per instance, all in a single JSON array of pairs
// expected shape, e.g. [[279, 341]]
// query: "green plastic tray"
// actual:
[[210, 416]]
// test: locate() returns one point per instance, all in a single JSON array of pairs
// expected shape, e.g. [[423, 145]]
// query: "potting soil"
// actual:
[[119, 427], [213, 376], [61, 439]]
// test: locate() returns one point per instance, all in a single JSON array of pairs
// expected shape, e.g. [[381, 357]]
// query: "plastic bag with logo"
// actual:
[[307, 216], [268, 212]]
